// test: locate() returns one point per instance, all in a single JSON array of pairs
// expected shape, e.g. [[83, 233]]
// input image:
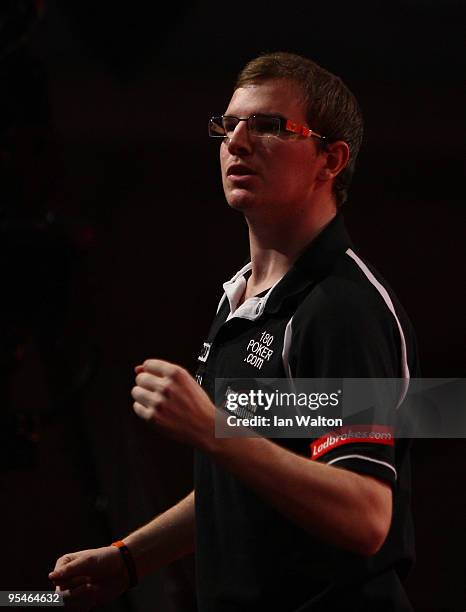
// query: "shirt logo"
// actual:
[[204, 354], [259, 350], [354, 434]]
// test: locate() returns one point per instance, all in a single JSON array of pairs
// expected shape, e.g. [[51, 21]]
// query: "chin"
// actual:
[[241, 201], [239, 205]]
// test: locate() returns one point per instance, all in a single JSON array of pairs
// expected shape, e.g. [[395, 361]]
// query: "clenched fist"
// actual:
[[168, 396]]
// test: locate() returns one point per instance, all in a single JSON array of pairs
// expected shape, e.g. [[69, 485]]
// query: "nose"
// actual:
[[240, 142]]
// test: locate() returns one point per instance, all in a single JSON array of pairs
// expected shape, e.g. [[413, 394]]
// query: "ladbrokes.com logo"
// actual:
[[353, 434]]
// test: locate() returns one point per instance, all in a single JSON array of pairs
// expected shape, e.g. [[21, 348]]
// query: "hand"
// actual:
[[168, 396], [90, 577]]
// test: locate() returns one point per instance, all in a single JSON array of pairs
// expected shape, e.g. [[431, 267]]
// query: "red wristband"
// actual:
[[128, 561]]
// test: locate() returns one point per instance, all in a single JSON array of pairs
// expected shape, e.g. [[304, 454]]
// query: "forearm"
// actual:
[[339, 506], [344, 508], [167, 537]]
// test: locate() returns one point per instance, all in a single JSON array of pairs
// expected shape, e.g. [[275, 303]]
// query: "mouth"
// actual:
[[239, 170]]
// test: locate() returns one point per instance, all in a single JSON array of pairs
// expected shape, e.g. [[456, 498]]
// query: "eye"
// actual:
[[229, 124], [265, 125]]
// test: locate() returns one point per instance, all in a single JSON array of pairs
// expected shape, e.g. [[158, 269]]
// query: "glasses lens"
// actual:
[[216, 127], [264, 126], [229, 124]]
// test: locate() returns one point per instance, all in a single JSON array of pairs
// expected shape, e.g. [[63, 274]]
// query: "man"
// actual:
[[273, 526]]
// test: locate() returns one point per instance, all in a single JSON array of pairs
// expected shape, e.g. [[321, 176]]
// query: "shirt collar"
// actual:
[[312, 264]]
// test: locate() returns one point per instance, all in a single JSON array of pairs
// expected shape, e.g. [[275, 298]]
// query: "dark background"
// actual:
[[115, 239]]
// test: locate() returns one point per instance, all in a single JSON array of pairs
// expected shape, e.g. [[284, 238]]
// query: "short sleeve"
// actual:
[[347, 332]]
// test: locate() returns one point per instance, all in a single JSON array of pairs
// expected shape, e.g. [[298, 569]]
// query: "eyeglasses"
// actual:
[[263, 126]]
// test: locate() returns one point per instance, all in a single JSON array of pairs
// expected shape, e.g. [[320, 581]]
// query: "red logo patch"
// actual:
[[352, 434]]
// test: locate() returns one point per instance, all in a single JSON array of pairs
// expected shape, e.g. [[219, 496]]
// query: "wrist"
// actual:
[[224, 447], [128, 562]]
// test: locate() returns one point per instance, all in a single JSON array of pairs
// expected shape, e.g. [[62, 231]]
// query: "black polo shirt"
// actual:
[[330, 316]]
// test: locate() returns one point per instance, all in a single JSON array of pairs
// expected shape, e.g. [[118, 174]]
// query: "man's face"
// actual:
[[278, 172]]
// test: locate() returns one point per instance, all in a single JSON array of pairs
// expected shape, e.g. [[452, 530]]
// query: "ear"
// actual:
[[336, 155]]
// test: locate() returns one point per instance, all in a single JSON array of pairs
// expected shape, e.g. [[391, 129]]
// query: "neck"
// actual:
[[276, 244]]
